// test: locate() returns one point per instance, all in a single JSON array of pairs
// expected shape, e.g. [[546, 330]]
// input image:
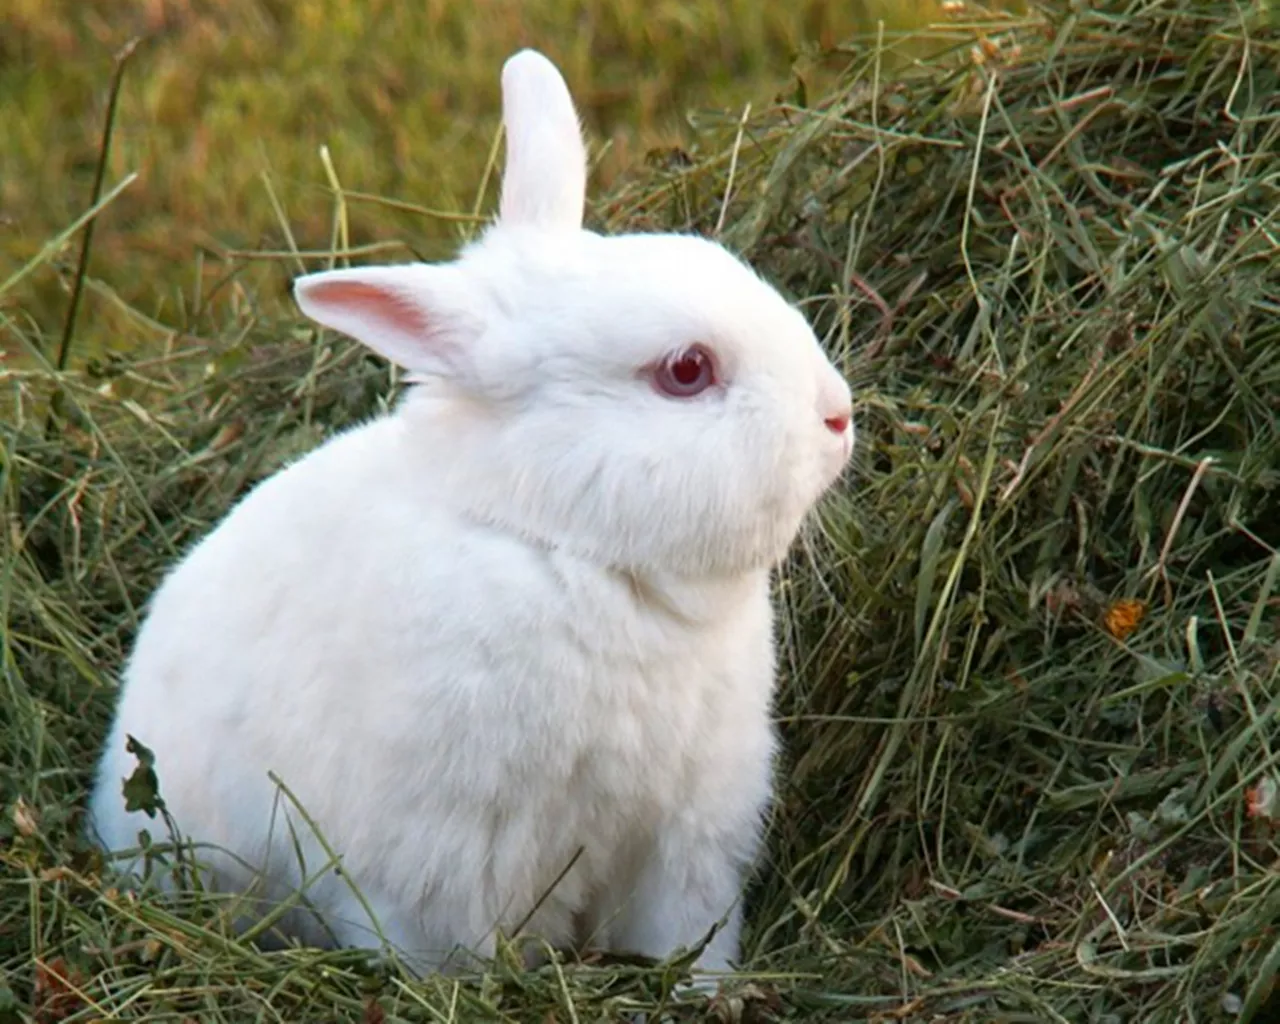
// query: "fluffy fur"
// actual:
[[520, 623]]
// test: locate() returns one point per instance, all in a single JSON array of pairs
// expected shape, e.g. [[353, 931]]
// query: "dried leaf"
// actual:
[[24, 818], [1124, 616]]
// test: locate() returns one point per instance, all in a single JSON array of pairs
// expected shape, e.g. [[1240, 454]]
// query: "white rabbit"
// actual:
[[510, 646]]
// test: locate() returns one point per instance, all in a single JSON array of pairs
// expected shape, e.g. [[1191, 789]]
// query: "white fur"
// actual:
[[525, 614], [546, 179]]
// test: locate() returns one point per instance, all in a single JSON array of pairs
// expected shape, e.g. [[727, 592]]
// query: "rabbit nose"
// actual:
[[835, 403], [838, 414]]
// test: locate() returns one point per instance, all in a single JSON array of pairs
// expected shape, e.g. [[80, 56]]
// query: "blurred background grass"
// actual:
[[226, 103], [1031, 654]]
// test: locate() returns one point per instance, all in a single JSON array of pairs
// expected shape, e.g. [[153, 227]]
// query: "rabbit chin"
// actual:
[[730, 516], [641, 549]]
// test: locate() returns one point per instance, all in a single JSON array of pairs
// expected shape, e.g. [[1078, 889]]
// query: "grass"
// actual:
[[227, 103], [1032, 651]]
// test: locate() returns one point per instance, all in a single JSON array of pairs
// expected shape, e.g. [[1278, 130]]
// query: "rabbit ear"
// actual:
[[416, 315], [545, 182]]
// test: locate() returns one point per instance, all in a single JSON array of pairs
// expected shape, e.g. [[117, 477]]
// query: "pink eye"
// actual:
[[686, 373]]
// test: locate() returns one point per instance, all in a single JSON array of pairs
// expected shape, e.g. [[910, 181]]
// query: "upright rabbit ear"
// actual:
[[545, 182], [419, 316]]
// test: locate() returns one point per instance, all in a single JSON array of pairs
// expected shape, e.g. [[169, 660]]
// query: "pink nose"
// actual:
[[837, 424]]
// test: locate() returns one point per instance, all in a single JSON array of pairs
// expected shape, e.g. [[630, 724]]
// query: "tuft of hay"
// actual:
[[1032, 652]]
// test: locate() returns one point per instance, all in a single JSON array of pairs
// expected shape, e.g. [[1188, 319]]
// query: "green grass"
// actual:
[[226, 104], [1054, 275]]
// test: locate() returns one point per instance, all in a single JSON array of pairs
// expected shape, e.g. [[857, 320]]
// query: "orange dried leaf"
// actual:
[[55, 997], [1124, 616]]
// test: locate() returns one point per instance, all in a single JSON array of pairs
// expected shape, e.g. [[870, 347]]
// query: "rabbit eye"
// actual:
[[686, 373]]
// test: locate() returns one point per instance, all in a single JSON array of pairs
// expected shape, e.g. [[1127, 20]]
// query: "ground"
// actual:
[[1031, 650]]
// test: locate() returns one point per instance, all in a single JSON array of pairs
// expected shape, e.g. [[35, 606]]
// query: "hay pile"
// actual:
[[1031, 652]]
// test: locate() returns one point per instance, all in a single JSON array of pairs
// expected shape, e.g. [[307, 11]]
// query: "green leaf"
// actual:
[[142, 788]]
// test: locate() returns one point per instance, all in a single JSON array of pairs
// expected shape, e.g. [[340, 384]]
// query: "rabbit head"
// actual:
[[644, 400]]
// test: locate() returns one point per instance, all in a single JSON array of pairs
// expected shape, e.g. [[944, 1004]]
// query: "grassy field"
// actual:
[[226, 104], [1032, 650]]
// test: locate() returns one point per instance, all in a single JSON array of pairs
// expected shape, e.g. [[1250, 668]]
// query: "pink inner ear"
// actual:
[[371, 301]]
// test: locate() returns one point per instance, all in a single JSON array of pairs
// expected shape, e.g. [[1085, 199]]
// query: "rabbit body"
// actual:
[[458, 710], [509, 647]]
